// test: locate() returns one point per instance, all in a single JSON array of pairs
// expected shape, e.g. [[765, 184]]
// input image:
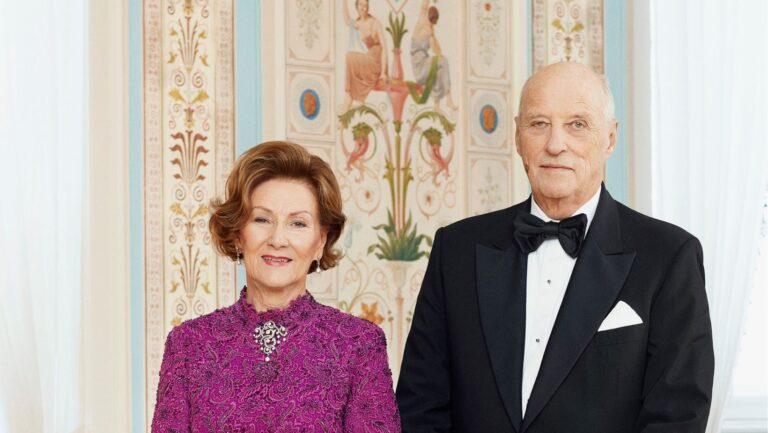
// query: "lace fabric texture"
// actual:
[[330, 375]]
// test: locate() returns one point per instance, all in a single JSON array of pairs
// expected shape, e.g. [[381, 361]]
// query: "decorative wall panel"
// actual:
[[310, 104], [489, 184], [311, 21], [488, 37], [188, 152], [568, 30], [489, 119]]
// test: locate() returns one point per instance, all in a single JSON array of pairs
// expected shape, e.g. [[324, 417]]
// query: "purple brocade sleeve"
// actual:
[[372, 406], [172, 408]]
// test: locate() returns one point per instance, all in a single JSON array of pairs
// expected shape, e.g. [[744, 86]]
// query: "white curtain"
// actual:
[[42, 123], [709, 124]]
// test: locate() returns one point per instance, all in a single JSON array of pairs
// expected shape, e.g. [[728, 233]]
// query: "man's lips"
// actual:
[[555, 167], [276, 260]]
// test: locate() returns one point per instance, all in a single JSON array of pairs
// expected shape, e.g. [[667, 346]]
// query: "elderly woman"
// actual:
[[276, 360]]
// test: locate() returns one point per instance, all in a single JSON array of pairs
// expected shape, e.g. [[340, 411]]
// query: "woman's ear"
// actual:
[[323, 240]]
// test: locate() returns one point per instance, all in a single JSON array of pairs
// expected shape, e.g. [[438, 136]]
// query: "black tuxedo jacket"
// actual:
[[463, 359]]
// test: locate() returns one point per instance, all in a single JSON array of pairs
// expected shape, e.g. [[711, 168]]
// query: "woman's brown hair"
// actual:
[[271, 160]]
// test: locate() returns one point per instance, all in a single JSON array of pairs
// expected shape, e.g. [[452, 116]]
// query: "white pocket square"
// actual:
[[621, 315]]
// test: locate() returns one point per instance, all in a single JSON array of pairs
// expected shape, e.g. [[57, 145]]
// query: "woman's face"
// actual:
[[283, 235], [362, 7]]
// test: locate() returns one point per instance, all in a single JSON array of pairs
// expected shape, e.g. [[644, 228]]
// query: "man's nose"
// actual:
[[556, 140]]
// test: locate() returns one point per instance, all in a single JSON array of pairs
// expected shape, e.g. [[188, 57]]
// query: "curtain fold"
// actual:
[[42, 148], [709, 96]]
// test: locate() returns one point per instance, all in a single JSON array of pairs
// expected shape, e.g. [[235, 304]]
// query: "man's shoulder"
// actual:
[[641, 229], [485, 221], [483, 228]]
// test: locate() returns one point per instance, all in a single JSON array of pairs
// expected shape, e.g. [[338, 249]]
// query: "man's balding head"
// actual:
[[576, 71], [566, 130]]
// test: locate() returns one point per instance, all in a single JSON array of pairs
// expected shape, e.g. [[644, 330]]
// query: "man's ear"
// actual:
[[612, 134]]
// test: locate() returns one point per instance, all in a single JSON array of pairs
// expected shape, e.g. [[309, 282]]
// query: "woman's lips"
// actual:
[[276, 260]]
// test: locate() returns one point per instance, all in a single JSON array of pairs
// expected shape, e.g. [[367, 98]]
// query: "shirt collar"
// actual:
[[587, 209]]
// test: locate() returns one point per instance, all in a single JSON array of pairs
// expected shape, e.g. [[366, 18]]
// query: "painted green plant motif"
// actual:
[[403, 245], [397, 29], [361, 130], [433, 136]]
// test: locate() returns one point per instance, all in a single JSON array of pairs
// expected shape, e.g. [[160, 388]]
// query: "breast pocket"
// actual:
[[621, 335]]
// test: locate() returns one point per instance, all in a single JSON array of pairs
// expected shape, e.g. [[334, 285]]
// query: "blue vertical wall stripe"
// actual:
[[248, 120], [616, 67], [136, 197], [247, 74]]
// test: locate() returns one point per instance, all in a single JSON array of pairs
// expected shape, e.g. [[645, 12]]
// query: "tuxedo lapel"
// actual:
[[599, 274], [501, 274]]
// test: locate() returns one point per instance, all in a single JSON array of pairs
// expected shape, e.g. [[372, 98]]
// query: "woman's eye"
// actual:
[[300, 224], [260, 220]]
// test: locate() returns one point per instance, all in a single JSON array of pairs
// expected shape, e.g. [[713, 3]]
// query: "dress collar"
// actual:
[[297, 310]]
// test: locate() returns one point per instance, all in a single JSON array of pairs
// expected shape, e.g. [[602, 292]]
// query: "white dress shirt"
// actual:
[[549, 270]]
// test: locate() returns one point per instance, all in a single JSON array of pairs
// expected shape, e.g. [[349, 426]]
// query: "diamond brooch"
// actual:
[[268, 336]]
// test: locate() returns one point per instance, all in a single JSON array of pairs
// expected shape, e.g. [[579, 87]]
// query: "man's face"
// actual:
[[563, 135]]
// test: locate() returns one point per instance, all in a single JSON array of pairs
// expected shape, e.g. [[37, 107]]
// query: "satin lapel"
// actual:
[[595, 284], [501, 278]]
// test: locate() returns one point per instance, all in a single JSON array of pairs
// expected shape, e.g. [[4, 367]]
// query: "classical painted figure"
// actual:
[[366, 63], [430, 71]]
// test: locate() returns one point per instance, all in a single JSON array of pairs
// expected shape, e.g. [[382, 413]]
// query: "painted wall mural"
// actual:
[[396, 141], [414, 133], [188, 151]]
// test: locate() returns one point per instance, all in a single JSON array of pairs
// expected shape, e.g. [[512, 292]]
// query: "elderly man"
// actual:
[[568, 312]]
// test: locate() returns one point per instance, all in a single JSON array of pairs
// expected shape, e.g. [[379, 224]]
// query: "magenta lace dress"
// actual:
[[330, 374]]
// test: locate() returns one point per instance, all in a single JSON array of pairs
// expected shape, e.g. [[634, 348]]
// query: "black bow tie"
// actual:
[[530, 232]]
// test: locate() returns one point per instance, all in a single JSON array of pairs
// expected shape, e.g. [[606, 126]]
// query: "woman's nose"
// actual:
[[277, 237]]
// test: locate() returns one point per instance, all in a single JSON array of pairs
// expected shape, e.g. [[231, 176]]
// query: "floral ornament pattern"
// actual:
[[369, 313], [488, 21], [309, 20], [188, 133], [189, 124], [568, 30]]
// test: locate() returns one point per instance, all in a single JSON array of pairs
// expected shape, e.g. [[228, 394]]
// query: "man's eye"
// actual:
[[579, 124], [539, 124]]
